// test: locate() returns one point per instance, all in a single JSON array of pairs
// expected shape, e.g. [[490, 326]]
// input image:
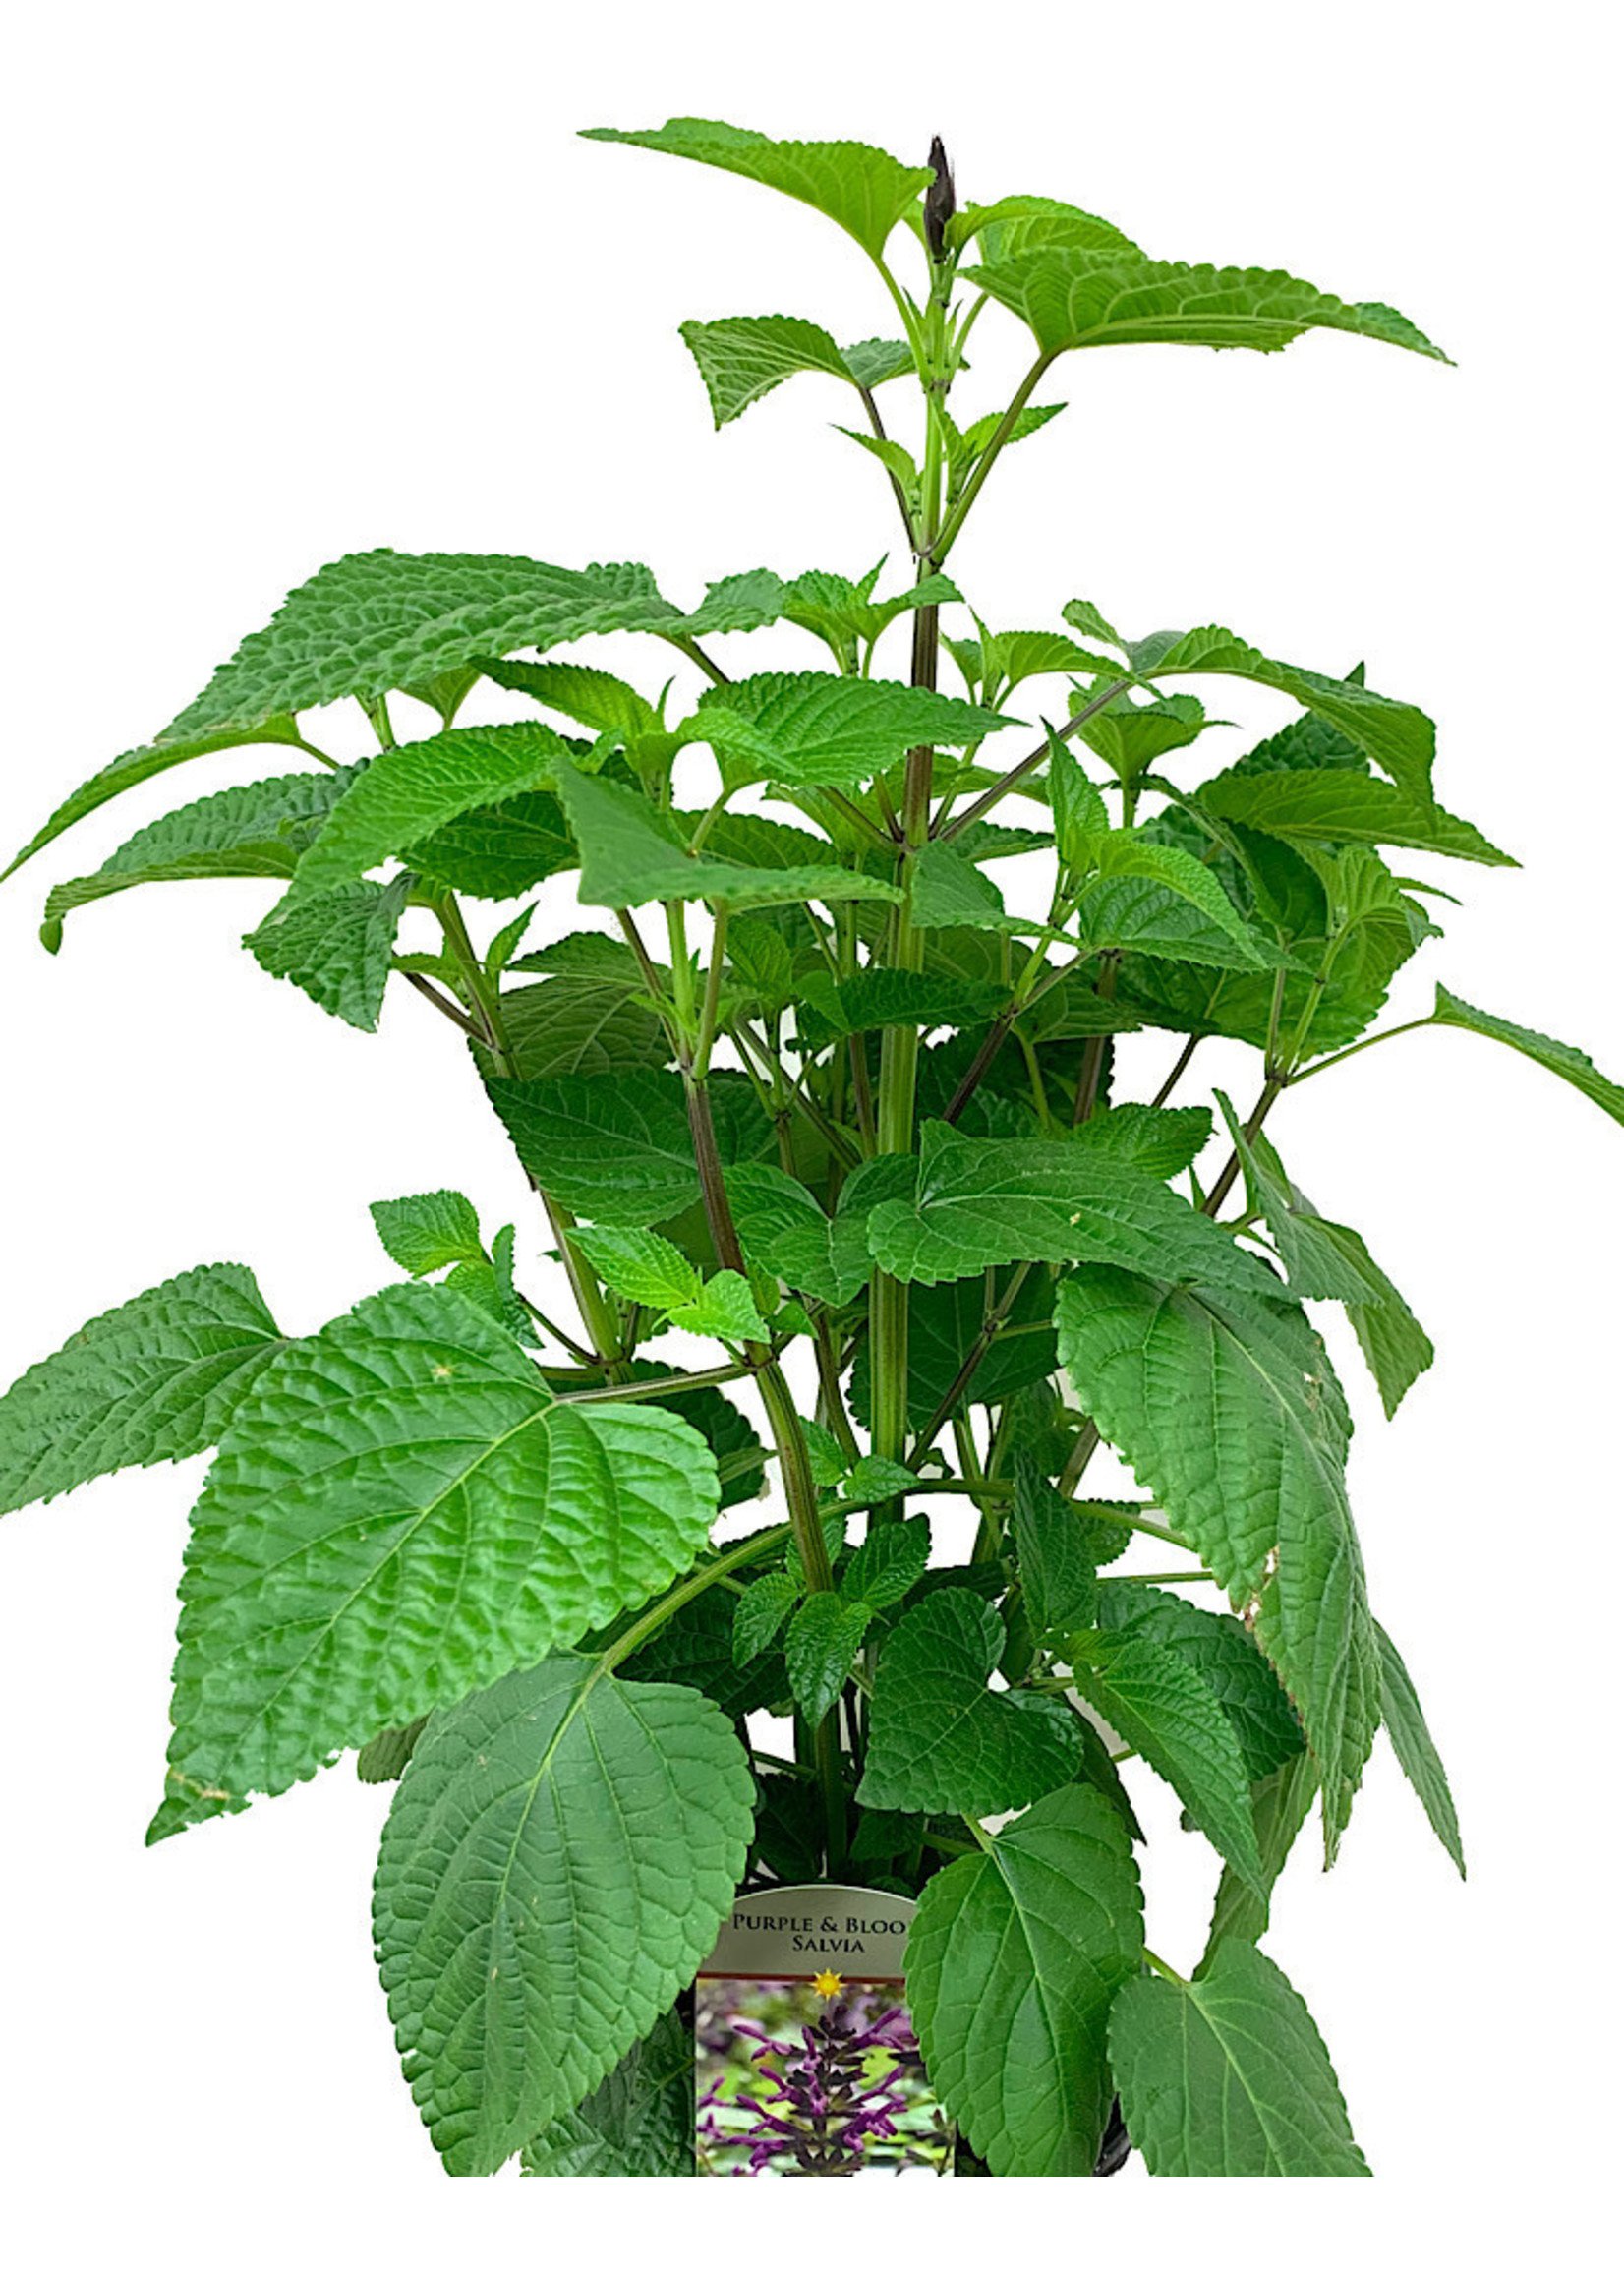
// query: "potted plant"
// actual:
[[826, 1075]]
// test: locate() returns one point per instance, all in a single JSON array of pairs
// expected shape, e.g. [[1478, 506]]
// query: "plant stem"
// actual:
[[1179, 1064], [1029, 764], [784, 1421], [977, 1351], [1221, 1190], [658, 1614]]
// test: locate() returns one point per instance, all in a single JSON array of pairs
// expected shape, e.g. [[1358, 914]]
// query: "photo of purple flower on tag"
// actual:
[[810, 2080]]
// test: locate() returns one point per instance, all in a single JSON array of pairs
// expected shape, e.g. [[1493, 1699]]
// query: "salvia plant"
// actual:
[[809, 1083]]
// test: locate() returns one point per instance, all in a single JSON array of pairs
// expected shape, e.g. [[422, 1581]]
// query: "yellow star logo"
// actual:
[[827, 1985]]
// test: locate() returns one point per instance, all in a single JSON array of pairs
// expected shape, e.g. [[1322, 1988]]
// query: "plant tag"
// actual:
[[806, 2064]]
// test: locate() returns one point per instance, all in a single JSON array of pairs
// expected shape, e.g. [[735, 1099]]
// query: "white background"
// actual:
[[301, 279]]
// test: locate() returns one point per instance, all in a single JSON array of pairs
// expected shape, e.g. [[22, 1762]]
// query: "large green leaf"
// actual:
[[401, 1513], [1418, 1755], [742, 358], [337, 945], [616, 1146], [1227, 2076], [378, 621], [639, 2122], [1227, 1410], [406, 794], [865, 190], [496, 852], [1164, 1708], [1012, 1961], [592, 698], [579, 1025], [939, 1739], [132, 767], [1559, 1058], [1339, 805], [632, 853], [1077, 296], [816, 729], [1280, 1805], [1398, 737], [258, 831], [1331, 1262], [557, 1861], [158, 1379], [982, 1201], [1219, 1649], [1058, 1582], [1157, 900]]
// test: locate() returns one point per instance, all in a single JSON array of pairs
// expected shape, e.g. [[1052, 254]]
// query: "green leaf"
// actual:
[[1418, 1755], [616, 1146], [556, 1863], [632, 853], [1331, 1262], [1160, 1140], [1012, 1961], [1229, 1414], [1145, 898], [983, 1202], [1339, 805], [639, 2122], [939, 1739], [592, 698], [742, 358], [1077, 296], [378, 621], [1280, 1805], [258, 831], [1131, 737], [406, 794], [409, 1438], [822, 1645], [842, 613], [337, 947], [878, 997], [944, 1323], [815, 728], [1219, 1649], [1016, 224], [382, 1759], [1057, 1570], [1167, 1713], [865, 190], [640, 1265], [874, 361], [947, 891], [579, 1025], [133, 767], [890, 1560], [783, 1231], [1559, 1058], [1227, 2076], [498, 852], [724, 1307], [428, 1231], [760, 1612], [1080, 818], [1398, 737], [158, 1379]]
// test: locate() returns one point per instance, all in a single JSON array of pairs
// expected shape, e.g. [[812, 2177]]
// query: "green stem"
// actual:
[[658, 1614], [989, 457], [1353, 1050]]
